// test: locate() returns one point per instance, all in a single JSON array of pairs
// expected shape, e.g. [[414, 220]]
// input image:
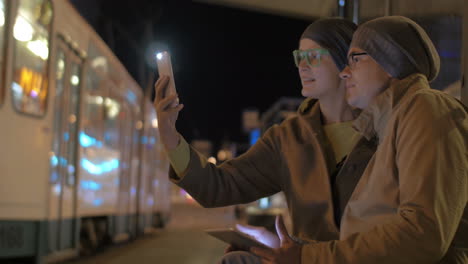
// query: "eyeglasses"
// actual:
[[353, 58], [311, 56]]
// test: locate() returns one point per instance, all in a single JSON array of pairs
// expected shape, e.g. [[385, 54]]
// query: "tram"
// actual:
[[81, 164]]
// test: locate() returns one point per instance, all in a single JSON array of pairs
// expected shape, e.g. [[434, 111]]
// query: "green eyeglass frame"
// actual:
[[311, 56]]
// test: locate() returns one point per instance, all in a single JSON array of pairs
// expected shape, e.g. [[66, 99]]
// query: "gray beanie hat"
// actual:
[[333, 34], [399, 45]]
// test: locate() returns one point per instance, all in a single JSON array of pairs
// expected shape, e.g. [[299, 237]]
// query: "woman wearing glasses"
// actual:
[[315, 158]]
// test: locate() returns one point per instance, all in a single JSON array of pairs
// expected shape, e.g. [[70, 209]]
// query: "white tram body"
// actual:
[[80, 162]]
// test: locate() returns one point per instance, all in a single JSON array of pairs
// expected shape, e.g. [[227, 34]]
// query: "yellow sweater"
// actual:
[[342, 138]]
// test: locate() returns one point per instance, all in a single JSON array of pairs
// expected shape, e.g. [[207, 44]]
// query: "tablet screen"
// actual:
[[235, 238]]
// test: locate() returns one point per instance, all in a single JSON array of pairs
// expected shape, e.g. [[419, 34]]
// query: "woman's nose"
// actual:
[[345, 73]]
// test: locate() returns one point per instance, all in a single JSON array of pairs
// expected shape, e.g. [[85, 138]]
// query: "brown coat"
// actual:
[[410, 204], [290, 157]]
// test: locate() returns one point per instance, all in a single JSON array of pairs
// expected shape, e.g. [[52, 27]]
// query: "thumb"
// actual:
[[281, 230]]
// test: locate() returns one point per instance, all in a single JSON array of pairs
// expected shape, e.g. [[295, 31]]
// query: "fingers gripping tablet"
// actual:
[[235, 238]]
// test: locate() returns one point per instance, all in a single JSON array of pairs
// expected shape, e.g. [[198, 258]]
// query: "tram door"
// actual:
[[123, 221], [63, 181]]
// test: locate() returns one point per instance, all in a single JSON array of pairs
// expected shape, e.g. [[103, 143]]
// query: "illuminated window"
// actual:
[[2, 41], [57, 160], [94, 101], [71, 120], [30, 85], [112, 123]]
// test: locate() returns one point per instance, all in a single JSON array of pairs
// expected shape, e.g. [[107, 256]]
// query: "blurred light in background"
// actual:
[[72, 119], [131, 96], [155, 123], [39, 47], [264, 203], [75, 80], [57, 189], [254, 136], [222, 155], [212, 160], [90, 185], [98, 169], [98, 100], [98, 202], [86, 141], [113, 108], [2, 14], [99, 62], [23, 31], [139, 125]]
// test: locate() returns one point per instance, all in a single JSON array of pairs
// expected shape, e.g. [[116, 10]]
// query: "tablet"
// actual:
[[235, 238]]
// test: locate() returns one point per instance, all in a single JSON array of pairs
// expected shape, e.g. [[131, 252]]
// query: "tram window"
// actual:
[[30, 85], [126, 134], [114, 117], [56, 157], [73, 109], [94, 102], [2, 45], [99, 68], [93, 116]]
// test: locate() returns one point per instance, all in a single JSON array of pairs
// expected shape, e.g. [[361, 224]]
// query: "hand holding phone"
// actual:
[[167, 111]]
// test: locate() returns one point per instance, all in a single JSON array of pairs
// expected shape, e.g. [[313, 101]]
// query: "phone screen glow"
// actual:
[[159, 55]]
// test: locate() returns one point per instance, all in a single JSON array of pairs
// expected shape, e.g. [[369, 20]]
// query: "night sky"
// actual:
[[225, 60]]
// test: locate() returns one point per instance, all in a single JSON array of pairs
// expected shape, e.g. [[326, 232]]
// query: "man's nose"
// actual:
[[345, 73]]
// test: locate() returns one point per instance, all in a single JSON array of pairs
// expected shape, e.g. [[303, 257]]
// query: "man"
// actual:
[[410, 204]]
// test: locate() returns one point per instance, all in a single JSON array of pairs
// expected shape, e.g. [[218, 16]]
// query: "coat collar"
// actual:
[[373, 120], [309, 111]]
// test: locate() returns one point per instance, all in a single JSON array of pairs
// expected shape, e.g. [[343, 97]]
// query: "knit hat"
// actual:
[[399, 45], [333, 34]]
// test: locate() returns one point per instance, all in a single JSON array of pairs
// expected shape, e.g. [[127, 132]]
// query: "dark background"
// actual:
[[225, 60]]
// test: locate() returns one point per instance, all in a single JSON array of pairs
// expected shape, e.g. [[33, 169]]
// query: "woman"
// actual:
[[300, 157]]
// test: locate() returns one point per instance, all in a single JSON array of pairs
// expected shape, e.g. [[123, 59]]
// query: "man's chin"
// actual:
[[353, 101]]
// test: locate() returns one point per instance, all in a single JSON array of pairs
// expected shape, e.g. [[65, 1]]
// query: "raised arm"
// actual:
[[255, 174]]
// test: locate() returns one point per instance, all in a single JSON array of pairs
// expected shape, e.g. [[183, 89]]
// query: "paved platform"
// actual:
[[181, 242]]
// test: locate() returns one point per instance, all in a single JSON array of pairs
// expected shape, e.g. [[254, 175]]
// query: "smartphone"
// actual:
[[235, 238], [163, 60]]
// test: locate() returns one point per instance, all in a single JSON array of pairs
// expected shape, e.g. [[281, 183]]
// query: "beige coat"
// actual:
[[410, 203], [289, 157]]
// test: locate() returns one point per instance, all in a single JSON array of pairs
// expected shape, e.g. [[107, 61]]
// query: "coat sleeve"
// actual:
[[244, 179], [431, 163]]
